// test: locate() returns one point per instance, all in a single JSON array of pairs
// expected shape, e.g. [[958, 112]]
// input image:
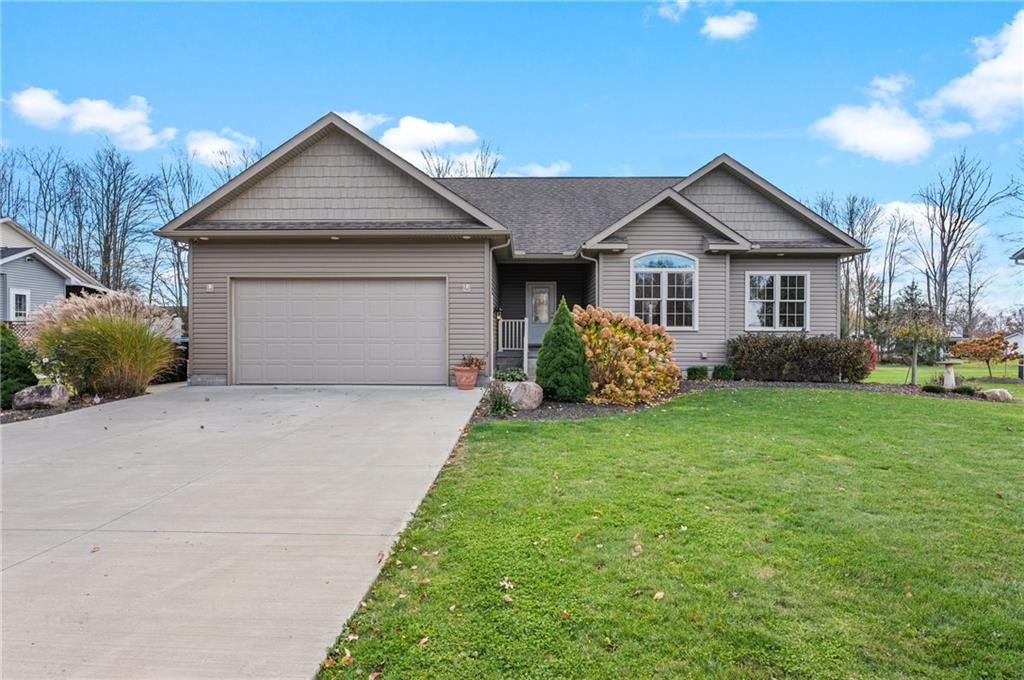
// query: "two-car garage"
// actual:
[[382, 331]]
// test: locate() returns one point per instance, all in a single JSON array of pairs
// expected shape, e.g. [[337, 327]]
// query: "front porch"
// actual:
[[526, 298]]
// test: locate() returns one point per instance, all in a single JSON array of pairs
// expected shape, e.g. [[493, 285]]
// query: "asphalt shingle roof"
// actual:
[[7, 252], [344, 224], [557, 214]]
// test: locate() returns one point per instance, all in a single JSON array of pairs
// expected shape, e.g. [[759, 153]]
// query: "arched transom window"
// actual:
[[664, 289]]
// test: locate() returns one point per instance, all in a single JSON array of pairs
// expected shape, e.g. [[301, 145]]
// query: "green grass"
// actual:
[[793, 533], [899, 374]]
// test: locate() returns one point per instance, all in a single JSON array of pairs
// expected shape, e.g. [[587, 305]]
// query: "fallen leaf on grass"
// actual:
[[507, 597], [659, 595], [373, 676], [351, 637], [328, 662], [565, 615], [424, 641], [506, 584]]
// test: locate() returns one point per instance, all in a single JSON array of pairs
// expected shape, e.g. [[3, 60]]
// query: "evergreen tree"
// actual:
[[15, 367], [562, 365]]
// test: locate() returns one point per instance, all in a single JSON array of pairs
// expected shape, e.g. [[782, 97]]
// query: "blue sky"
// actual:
[[839, 97]]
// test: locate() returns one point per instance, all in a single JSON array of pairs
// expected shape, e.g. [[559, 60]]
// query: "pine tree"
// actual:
[[561, 364]]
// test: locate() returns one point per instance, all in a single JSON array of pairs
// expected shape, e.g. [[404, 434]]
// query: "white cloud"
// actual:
[[365, 121], [889, 87], [128, 126], [226, 147], [880, 130], [537, 170], [993, 92], [672, 9], [729, 26], [952, 130], [414, 135]]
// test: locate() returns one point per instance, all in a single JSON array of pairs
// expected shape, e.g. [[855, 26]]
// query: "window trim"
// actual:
[[775, 328], [11, 293], [695, 270]]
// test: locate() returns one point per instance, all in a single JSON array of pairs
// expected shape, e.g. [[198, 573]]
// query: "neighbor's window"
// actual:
[[19, 305], [664, 289], [776, 301]]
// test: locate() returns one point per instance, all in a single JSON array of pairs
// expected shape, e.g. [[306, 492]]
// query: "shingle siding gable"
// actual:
[[336, 178]]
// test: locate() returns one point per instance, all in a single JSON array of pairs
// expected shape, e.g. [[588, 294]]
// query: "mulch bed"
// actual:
[[74, 404], [553, 410]]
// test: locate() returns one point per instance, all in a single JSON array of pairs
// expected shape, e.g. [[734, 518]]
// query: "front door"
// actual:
[[540, 307]]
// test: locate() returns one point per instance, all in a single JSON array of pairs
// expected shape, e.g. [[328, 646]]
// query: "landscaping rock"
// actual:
[[525, 396], [998, 394], [44, 396]]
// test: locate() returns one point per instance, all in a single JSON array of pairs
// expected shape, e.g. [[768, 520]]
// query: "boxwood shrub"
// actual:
[[15, 367], [697, 373], [797, 357], [723, 372], [934, 389]]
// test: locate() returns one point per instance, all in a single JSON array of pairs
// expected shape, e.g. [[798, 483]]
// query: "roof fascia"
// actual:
[[80, 277]]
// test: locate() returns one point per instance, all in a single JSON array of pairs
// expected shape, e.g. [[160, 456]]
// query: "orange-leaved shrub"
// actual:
[[630, 361]]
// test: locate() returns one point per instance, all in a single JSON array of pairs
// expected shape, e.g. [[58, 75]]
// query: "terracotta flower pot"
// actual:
[[465, 377]]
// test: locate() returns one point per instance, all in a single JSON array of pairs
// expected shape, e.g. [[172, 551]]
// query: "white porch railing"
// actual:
[[511, 335]]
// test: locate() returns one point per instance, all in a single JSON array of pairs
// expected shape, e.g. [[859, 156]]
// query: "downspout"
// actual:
[[597, 276], [489, 307]]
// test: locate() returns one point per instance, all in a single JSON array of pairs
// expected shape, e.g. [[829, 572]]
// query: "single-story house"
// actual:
[[32, 273], [334, 260]]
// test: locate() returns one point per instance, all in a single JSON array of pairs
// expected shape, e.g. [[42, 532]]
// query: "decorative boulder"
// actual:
[[992, 395], [525, 396], [41, 396]]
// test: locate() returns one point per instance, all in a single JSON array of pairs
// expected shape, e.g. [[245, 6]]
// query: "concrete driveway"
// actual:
[[208, 532]]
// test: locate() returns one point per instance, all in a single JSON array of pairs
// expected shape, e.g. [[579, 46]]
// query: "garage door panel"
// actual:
[[323, 331]]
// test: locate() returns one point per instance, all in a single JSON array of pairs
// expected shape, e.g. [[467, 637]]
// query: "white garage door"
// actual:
[[340, 331]]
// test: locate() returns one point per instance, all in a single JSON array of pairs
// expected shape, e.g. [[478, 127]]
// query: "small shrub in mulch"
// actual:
[[697, 373]]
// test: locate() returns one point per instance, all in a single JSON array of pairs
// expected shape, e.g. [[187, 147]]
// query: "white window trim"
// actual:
[[774, 328], [11, 292], [664, 286]]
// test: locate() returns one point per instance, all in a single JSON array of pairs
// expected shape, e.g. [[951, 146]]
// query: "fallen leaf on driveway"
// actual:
[[95, 548]]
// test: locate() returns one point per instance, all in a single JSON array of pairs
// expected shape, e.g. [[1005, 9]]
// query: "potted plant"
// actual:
[[467, 371]]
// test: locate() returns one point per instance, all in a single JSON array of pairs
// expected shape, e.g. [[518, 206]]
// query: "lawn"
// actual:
[[732, 534], [899, 374]]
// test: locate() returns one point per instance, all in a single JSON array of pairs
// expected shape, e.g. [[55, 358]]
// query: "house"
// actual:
[[1018, 257], [32, 273], [334, 260]]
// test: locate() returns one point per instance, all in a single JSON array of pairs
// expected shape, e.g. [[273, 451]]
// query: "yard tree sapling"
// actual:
[[562, 363]]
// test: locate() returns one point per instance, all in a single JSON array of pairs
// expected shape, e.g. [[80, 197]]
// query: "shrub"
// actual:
[[723, 372], [968, 390], [111, 344], [995, 348], [800, 358], [471, 361], [934, 389], [561, 364], [514, 374], [15, 367], [697, 373], [630, 361], [498, 401]]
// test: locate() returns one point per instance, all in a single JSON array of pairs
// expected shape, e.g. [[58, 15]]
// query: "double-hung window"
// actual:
[[777, 301], [664, 289], [18, 302]]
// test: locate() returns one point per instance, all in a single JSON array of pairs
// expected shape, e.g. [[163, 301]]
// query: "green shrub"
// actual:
[[697, 373], [514, 374], [968, 390], [561, 364], [934, 389], [499, 403], [111, 345], [800, 358], [723, 372], [15, 367]]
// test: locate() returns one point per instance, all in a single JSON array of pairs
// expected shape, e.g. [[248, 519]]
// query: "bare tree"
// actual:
[[955, 204], [229, 163], [45, 209], [897, 227], [13, 193], [121, 202], [77, 243], [969, 294], [181, 186], [483, 162]]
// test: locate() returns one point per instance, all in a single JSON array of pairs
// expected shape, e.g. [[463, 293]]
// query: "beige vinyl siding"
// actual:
[[747, 210], [214, 263], [336, 178], [665, 227], [823, 288]]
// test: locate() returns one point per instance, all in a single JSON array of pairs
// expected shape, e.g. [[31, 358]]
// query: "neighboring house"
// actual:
[[1018, 256], [32, 273], [333, 260]]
